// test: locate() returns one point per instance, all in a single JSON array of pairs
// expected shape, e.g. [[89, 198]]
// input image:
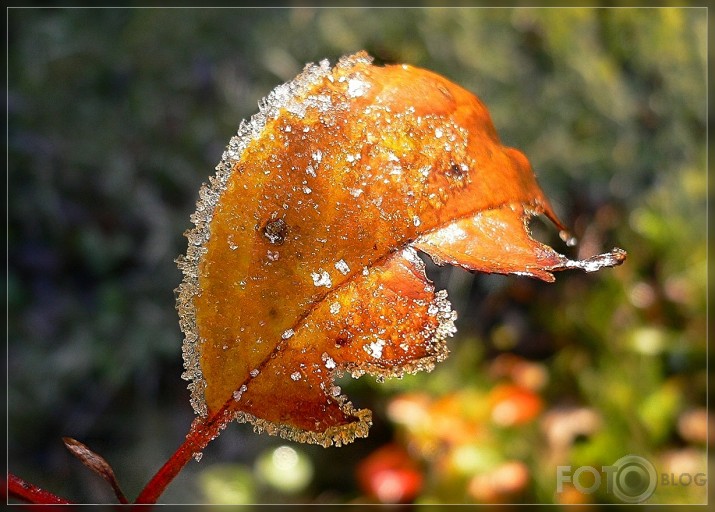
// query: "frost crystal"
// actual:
[[375, 348], [287, 334], [357, 87], [335, 308], [295, 376], [329, 361], [321, 278], [411, 255], [445, 315], [342, 267], [453, 233], [239, 392], [321, 102]]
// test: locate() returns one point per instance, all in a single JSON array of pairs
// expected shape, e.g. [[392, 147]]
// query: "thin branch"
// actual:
[[18, 488], [202, 432]]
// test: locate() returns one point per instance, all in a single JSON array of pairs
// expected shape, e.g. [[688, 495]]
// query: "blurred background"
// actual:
[[116, 116]]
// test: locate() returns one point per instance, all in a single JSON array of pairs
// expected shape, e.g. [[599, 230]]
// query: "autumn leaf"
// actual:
[[302, 263]]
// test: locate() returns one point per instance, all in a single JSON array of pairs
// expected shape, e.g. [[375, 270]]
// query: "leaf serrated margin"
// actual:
[[282, 97]]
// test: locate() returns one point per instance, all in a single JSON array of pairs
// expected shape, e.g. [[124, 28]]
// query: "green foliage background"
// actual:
[[116, 116]]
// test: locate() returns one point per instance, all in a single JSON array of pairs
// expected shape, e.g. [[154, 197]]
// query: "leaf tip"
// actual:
[[595, 263], [610, 259]]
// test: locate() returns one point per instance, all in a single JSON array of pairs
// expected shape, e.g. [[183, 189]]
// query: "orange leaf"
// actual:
[[301, 265]]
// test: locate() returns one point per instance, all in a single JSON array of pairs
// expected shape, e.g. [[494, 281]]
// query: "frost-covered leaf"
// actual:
[[302, 262]]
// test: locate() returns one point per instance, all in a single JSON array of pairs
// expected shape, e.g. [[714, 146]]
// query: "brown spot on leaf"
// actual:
[[275, 231]]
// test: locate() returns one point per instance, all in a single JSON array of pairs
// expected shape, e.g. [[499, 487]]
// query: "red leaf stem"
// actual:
[[202, 432], [18, 488]]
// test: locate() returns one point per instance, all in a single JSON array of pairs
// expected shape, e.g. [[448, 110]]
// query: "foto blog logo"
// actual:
[[631, 479]]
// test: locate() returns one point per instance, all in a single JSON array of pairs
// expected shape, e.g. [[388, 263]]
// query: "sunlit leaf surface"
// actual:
[[302, 262]]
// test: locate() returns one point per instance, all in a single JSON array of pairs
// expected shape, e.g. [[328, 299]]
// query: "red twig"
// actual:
[[18, 488], [202, 432]]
